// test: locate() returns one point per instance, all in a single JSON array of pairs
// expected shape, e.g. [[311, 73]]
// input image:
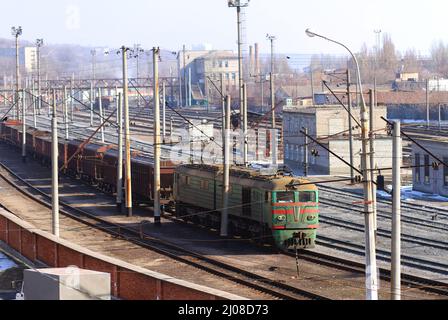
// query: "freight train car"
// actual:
[[96, 163], [276, 206]]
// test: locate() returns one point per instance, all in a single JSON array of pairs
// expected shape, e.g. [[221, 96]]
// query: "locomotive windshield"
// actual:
[[285, 197], [307, 196]]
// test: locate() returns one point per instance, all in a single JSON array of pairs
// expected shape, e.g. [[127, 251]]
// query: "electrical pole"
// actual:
[[157, 149], [239, 4], [372, 156], [226, 170], [65, 104], [164, 110], [245, 142], [72, 93], [185, 77], [23, 128], [39, 44], [16, 32], [100, 104], [312, 85], [92, 98], [35, 102], [371, 272], [305, 158], [120, 154], [396, 214], [350, 126], [128, 184], [427, 103], [272, 38], [93, 53], [54, 169], [189, 88]]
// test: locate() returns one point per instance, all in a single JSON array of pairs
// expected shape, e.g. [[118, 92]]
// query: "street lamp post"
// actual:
[[238, 4], [371, 271], [16, 32]]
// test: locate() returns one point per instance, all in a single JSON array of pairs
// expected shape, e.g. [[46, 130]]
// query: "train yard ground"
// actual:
[[313, 281]]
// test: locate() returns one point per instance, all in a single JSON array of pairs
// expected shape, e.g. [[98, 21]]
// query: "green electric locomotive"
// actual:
[[261, 205]]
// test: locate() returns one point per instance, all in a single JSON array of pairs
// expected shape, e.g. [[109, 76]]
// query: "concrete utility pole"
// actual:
[[440, 116], [372, 156], [65, 104], [39, 44], [396, 214], [312, 85], [164, 110], [120, 154], [128, 184], [350, 125], [157, 147], [245, 142], [305, 156], [137, 52], [72, 93], [189, 87], [100, 104], [171, 128], [23, 128], [54, 169], [16, 32], [185, 76], [427, 103], [35, 102], [92, 98], [226, 170], [93, 53]]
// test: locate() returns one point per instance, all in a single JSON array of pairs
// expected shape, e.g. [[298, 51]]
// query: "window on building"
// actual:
[[233, 76], [445, 173], [220, 64], [417, 168], [287, 151], [427, 168], [227, 76], [227, 64]]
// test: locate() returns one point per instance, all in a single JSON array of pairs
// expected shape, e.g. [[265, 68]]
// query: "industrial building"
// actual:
[[27, 57], [429, 178], [330, 124]]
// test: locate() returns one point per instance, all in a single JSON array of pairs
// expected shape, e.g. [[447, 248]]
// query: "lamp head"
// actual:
[[309, 33]]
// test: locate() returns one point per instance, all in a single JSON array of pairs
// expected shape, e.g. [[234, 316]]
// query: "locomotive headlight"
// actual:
[[310, 218], [281, 218]]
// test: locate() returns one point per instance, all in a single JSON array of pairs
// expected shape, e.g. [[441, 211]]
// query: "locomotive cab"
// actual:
[[295, 218]]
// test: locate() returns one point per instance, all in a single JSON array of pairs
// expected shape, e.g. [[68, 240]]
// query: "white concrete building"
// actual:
[[427, 178], [329, 124]]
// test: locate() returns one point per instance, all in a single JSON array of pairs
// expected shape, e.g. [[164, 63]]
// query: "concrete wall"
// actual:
[[128, 281], [435, 184]]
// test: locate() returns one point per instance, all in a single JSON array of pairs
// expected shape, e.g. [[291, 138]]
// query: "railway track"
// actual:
[[343, 223], [264, 285], [412, 281], [440, 212], [421, 264], [333, 197]]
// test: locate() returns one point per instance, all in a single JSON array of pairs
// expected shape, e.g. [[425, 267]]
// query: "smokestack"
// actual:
[[251, 60], [257, 59]]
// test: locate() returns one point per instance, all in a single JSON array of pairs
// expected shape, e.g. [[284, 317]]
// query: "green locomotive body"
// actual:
[[260, 206]]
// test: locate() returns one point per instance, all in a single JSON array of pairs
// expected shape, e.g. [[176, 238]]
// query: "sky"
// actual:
[[169, 24]]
